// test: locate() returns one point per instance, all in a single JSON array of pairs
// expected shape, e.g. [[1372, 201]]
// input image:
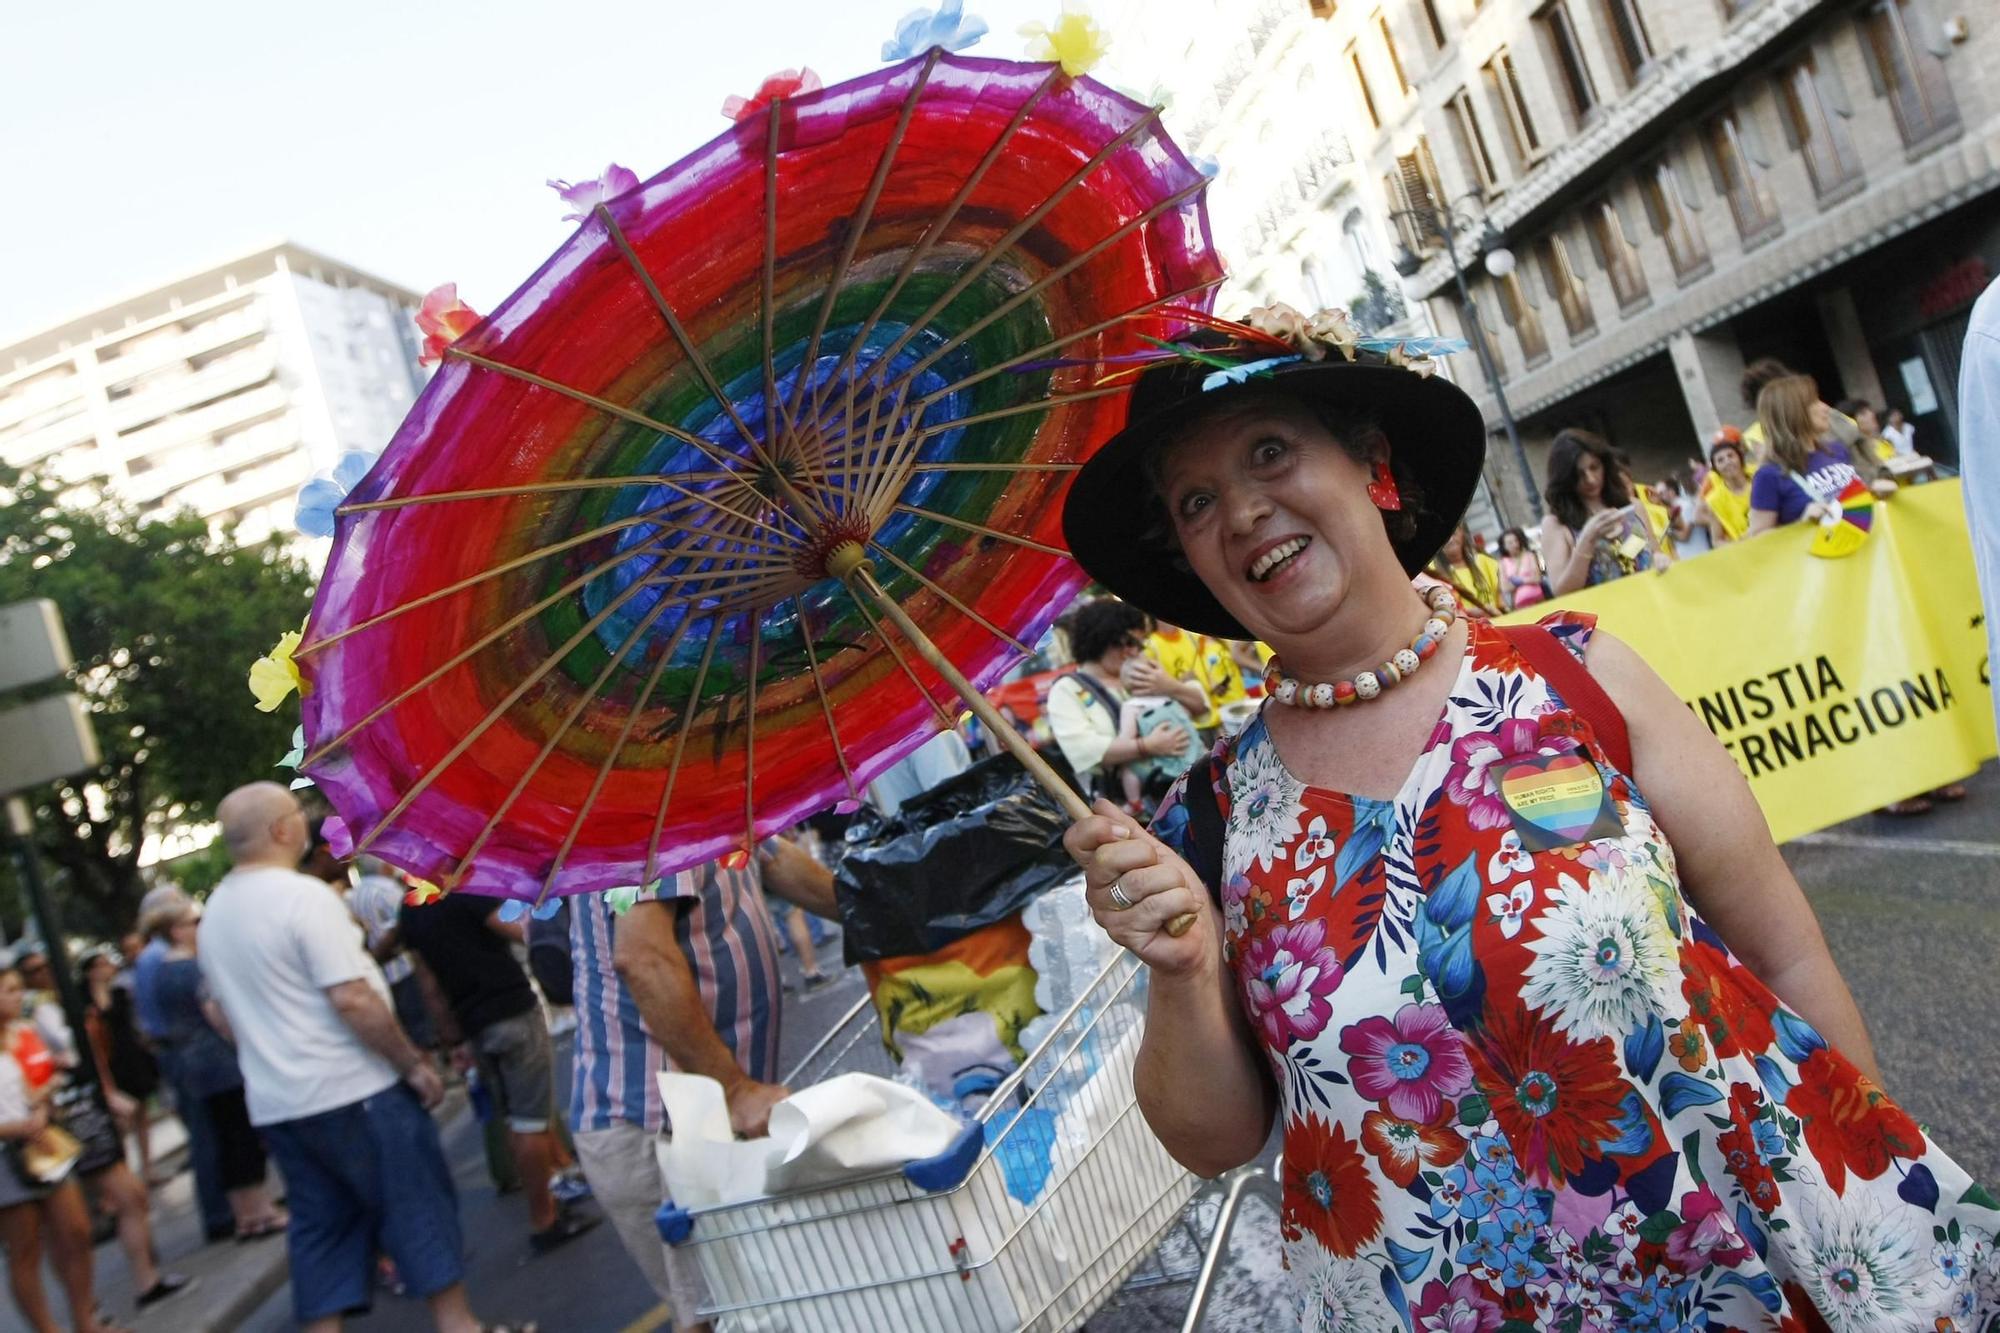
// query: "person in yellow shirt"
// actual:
[[1725, 491], [1474, 574], [1198, 661]]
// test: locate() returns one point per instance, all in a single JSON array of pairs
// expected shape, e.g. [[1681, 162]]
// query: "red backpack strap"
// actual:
[[1578, 688]]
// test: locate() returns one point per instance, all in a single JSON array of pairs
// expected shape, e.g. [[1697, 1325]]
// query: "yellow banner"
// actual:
[[1838, 685]]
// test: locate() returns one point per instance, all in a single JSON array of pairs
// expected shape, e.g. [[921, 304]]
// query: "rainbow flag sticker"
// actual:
[[1845, 527]]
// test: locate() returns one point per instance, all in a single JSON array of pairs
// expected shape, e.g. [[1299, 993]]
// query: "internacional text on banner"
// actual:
[[1838, 685]]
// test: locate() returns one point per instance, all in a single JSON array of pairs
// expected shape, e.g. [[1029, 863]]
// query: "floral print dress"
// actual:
[[1525, 1086]]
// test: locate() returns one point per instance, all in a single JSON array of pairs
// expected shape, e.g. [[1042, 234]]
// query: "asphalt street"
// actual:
[[1908, 908]]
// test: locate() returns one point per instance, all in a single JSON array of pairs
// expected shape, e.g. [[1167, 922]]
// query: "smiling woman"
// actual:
[[1553, 1035]]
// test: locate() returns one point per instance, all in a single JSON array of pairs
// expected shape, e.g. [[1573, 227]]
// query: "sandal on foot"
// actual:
[[1916, 805]]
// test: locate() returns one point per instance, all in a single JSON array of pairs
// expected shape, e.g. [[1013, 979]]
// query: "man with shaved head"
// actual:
[[340, 1094]]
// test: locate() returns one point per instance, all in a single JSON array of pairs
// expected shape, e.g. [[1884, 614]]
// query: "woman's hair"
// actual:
[[1356, 432], [1101, 626], [1733, 446], [1759, 373], [1852, 408], [1785, 410], [1565, 453], [1518, 535]]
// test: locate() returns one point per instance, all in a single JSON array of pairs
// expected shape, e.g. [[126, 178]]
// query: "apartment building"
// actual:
[[220, 391], [1686, 185]]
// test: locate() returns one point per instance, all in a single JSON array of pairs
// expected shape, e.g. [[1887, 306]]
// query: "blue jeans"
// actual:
[[364, 1178], [204, 1153]]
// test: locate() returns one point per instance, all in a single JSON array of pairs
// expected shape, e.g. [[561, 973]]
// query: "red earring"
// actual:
[[1382, 489]]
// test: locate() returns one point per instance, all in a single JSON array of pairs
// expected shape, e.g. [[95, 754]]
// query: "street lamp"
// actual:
[[1448, 223]]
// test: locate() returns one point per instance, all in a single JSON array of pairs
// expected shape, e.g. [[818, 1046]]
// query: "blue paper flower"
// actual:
[[921, 29], [322, 495], [514, 909]]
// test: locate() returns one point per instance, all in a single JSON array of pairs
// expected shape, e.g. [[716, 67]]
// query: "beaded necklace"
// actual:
[[1338, 694]]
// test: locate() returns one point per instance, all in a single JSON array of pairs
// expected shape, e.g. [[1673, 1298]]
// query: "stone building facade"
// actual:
[[1686, 185]]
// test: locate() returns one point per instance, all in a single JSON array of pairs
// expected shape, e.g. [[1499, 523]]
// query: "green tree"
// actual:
[[164, 618]]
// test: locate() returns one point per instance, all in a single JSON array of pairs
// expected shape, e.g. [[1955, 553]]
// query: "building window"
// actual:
[[1415, 193], [1911, 74], [1505, 83], [1628, 38], [1739, 178], [1667, 199], [1354, 230], [1615, 253], [1566, 52], [1322, 9], [1478, 324], [1560, 277], [1434, 23], [1361, 82], [1389, 45], [1471, 140], [1820, 134], [1518, 312]]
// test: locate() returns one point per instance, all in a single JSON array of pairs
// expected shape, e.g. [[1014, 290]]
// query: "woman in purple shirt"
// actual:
[[1804, 468]]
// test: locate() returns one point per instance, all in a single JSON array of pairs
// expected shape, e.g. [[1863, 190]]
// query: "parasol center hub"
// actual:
[[845, 557], [836, 549]]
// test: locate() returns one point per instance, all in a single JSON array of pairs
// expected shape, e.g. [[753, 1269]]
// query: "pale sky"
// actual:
[[411, 140]]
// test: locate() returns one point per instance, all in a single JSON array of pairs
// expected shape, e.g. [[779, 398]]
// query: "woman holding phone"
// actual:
[[1594, 532]]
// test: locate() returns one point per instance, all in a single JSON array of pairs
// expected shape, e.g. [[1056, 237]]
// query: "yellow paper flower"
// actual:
[[1075, 41], [274, 676], [422, 891]]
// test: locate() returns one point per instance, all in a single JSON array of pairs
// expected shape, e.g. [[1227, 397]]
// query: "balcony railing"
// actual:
[[265, 400]]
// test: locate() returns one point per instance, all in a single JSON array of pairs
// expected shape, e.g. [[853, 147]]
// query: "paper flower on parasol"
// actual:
[[585, 622]]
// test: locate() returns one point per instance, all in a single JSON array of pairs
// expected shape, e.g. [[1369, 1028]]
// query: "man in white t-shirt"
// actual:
[[339, 1093]]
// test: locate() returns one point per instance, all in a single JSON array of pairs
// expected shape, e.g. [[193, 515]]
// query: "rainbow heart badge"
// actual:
[[1557, 800]]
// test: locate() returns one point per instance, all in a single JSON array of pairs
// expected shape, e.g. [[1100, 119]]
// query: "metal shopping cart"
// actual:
[[1031, 1221]]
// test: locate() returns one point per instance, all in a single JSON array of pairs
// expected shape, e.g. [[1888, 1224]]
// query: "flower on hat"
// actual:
[[443, 319], [785, 83], [1313, 335], [1074, 41], [274, 676], [921, 29], [586, 195]]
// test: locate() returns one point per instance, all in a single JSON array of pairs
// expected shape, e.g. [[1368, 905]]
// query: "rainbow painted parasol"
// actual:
[[612, 602]]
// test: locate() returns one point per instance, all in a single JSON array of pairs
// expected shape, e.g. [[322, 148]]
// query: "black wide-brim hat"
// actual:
[[1112, 520]]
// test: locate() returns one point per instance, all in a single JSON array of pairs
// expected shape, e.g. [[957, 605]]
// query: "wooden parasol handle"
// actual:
[[859, 575]]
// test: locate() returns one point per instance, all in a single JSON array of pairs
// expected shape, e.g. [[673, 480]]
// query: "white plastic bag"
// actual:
[[852, 1125]]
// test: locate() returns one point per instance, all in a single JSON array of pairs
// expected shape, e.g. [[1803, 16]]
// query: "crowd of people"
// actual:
[[1789, 464]]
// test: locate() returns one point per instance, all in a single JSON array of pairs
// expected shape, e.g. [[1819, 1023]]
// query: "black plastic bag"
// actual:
[[971, 851]]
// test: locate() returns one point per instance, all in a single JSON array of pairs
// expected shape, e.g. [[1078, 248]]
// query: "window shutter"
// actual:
[[1712, 147], [1627, 214], [1785, 93], [1545, 259], [1594, 229], [1750, 132], [1653, 195], [1924, 28], [1832, 88], [1684, 179], [1866, 25]]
